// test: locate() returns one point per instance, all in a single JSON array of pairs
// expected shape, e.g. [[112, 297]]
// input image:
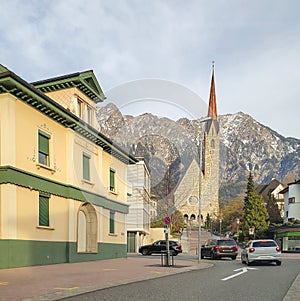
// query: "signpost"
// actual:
[[167, 221]]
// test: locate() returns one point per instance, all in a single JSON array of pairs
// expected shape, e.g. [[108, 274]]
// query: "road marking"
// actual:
[[4, 283], [66, 288], [242, 271], [109, 270]]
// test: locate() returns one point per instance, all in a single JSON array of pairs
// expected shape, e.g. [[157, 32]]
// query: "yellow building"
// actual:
[[62, 184]]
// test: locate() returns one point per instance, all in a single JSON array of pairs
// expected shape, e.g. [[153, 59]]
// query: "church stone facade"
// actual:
[[203, 182]]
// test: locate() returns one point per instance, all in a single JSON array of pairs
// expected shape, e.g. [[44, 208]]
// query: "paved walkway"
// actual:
[[54, 282]]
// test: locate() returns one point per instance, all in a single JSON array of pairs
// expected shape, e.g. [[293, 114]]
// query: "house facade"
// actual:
[[291, 201], [62, 184], [138, 217], [272, 190], [153, 209], [288, 235]]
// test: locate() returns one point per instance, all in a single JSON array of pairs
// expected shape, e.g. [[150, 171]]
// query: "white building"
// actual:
[[153, 209], [288, 235], [292, 202], [138, 218]]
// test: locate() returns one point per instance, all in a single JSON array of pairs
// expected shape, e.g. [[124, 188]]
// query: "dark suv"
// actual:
[[159, 246], [218, 248]]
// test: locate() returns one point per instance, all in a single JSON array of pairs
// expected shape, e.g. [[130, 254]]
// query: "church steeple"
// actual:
[[212, 108]]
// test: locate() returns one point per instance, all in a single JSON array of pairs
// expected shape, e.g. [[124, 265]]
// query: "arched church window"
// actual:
[[212, 143]]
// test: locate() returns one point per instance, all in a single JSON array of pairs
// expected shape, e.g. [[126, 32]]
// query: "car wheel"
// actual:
[[278, 262], [233, 258], [202, 256], [145, 252]]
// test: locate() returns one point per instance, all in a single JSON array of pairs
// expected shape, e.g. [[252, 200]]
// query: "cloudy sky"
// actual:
[[166, 47]]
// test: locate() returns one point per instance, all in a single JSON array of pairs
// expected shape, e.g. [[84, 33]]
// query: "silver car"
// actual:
[[261, 250]]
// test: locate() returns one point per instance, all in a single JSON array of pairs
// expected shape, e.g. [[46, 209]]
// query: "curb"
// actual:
[[294, 291]]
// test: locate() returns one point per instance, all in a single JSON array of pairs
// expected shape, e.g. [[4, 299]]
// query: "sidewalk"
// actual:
[[53, 282]]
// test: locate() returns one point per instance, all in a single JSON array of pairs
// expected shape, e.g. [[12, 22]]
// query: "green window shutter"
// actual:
[[86, 167], [112, 179], [43, 210], [112, 221], [44, 143]]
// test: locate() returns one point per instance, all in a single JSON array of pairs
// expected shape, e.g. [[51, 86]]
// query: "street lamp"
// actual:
[[200, 190], [237, 229]]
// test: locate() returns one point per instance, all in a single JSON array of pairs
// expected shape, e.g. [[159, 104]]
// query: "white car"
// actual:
[[261, 250]]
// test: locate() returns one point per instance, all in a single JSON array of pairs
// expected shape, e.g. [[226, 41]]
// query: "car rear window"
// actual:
[[261, 244], [226, 242]]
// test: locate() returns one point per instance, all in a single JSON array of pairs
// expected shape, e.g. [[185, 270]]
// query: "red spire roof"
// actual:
[[212, 109]]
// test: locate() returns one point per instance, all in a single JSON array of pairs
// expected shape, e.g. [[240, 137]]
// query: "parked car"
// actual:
[[158, 246], [218, 248], [261, 250]]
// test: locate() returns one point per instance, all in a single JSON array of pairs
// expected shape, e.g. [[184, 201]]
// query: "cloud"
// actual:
[[254, 44]]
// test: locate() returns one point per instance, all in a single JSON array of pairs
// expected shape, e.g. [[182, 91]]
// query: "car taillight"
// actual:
[[178, 247], [278, 249], [235, 247], [218, 247], [251, 250]]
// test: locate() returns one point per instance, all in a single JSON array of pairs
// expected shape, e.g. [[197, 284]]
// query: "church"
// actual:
[[200, 184]]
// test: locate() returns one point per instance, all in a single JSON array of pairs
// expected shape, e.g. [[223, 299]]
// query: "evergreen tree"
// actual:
[[255, 214]]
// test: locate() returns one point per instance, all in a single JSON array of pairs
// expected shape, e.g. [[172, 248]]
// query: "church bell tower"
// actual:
[[211, 154]]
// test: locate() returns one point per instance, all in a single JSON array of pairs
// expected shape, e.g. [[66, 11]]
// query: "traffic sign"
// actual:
[[251, 231], [167, 220]]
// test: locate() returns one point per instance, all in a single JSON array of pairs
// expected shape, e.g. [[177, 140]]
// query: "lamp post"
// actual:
[[237, 229], [200, 190]]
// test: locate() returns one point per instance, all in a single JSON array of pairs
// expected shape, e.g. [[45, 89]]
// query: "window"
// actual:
[[86, 167], [262, 244], [44, 209], [44, 148], [112, 222], [292, 200], [112, 180], [88, 113], [79, 108]]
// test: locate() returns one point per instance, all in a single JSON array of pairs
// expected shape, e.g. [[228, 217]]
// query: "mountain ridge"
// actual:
[[169, 146]]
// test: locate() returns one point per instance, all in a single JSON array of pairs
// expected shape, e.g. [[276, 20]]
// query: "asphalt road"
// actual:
[[227, 280]]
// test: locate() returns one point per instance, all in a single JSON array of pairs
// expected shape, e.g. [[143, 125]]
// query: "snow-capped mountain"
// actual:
[[169, 146]]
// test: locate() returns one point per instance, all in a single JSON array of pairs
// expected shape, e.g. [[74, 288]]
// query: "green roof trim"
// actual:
[[11, 83], [3, 69], [85, 81], [12, 175]]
